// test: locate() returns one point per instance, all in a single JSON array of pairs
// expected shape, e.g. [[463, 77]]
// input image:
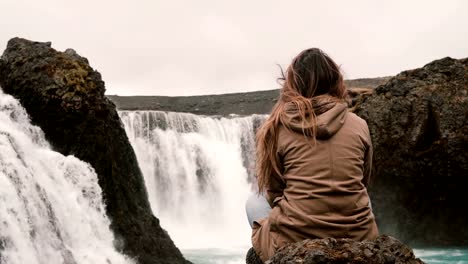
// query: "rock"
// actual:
[[252, 257], [383, 250], [65, 97], [419, 126]]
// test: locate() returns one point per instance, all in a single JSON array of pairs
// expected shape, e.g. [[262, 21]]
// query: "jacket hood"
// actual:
[[331, 115]]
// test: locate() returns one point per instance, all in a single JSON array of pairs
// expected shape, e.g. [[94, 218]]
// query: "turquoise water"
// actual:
[[237, 256], [446, 256], [216, 256]]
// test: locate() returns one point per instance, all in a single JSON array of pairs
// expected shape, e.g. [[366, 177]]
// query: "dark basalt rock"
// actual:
[[252, 257], [65, 97], [383, 250], [419, 126]]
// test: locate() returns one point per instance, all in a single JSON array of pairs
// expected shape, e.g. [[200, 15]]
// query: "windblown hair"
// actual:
[[312, 73]]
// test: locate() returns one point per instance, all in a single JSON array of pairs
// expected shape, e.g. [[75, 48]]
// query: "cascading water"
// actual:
[[51, 208], [198, 173]]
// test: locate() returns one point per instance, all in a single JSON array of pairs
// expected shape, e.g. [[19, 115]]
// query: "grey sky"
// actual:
[[175, 47]]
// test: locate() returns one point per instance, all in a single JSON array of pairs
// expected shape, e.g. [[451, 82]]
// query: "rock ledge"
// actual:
[[383, 250]]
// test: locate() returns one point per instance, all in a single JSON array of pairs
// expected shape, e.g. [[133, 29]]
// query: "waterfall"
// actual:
[[198, 171], [51, 208]]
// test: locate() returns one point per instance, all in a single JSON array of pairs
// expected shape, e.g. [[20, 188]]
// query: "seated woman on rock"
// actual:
[[313, 162]]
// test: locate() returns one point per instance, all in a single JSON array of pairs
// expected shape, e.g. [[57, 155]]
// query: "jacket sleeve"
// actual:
[[368, 159], [275, 191]]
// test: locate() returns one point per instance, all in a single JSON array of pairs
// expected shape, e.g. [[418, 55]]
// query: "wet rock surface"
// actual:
[[419, 126], [383, 250], [65, 97]]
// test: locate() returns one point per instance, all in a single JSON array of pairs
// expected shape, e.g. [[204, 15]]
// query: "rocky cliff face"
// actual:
[[419, 126], [65, 97]]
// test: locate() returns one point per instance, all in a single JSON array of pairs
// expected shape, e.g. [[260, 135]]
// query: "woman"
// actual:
[[313, 162]]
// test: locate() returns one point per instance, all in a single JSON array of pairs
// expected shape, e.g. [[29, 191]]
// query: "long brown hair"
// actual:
[[312, 73]]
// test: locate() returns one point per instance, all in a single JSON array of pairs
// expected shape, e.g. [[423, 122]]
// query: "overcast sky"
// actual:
[[175, 47]]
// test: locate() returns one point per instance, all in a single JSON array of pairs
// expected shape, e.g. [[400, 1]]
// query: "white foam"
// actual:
[[196, 171], [51, 208]]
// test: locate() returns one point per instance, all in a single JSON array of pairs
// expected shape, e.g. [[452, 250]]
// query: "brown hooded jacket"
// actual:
[[322, 191]]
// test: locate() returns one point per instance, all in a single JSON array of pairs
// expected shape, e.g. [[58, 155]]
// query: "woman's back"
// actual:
[[337, 164], [323, 192], [325, 185]]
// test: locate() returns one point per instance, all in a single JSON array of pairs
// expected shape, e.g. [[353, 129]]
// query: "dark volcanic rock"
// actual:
[[65, 97], [252, 257], [383, 250], [419, 126]]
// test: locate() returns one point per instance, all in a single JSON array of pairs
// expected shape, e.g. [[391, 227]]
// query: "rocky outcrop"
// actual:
[[65, 97], [419, 126], [259, 102], [383, 250]]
